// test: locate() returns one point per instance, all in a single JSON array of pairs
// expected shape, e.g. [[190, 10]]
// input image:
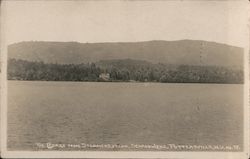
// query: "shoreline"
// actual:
[[124, 82]]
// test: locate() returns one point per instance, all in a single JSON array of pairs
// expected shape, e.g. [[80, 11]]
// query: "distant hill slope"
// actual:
[[122, 63], [187, 52]]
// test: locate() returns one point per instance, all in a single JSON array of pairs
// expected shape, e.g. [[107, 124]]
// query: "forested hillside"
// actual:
[[126, 70], [182, 52]]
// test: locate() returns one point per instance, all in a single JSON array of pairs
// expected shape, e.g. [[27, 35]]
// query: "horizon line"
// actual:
[[52, 41]]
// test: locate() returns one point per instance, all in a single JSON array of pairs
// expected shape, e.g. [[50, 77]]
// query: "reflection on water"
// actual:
[[123, 113]]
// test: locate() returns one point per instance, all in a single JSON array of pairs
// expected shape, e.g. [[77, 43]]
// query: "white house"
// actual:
[[104, 76]]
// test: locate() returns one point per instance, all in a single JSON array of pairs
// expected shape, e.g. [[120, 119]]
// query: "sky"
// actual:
[[124, 21]]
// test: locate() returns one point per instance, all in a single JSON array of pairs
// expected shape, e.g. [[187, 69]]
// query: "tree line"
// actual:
[[122, 70]]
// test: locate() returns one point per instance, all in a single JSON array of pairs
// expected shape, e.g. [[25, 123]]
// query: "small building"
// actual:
[[104, 76]]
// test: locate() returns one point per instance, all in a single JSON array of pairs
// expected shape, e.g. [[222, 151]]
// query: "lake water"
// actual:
[[123, 113]]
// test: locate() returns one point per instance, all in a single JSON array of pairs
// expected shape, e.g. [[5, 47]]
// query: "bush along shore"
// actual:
[[123, 70]]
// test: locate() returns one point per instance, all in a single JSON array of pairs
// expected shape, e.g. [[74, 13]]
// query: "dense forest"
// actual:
[[126, 70]]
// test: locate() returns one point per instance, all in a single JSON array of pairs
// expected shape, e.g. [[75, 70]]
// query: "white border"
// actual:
[[3, 83], [119, 154]]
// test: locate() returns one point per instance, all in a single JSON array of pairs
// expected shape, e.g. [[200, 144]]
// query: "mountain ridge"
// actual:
[[121, 42], [187, 52]]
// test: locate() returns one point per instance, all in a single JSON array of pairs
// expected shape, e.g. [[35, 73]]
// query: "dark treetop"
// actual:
[[122, 70]]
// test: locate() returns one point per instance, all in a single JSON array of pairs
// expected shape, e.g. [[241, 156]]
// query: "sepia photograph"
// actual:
[[124, 79]]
